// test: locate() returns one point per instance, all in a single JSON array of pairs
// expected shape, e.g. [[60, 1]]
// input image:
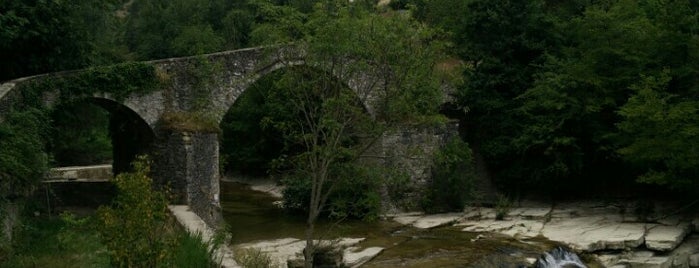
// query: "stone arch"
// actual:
[[129, 133], [242, 68]]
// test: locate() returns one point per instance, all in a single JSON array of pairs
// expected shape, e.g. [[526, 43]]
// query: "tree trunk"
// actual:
[[310, 248]]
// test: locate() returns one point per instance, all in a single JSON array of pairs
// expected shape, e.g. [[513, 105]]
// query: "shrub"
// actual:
[[134, 227], [452, 178], [192, 251], [253, 258], [355, 193]]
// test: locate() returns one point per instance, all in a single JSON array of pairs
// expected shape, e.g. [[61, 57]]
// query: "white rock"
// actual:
[[650, 262], [695, 223], [431, 221], [406, 218], [694, 260], [530, 213], [356, 259], [595, 233], [666, 238]]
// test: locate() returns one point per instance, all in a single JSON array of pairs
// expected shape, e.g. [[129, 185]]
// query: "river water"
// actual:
[[252, 216]]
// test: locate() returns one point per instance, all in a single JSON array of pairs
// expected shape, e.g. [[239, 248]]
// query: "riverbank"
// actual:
[[607, 231], [608, 234]]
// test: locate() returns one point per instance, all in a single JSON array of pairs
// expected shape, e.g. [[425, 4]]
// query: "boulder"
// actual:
[[666, 238]]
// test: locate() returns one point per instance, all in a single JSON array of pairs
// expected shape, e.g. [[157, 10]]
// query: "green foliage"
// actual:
[[22, 157], [253, 258], [160, 29], [193, 251], [355, 193], [65, 241], [47, 36], [134, 227], [452, 178], [80, 135], [249, 143], [120, 80], [502, 207], [663, 134]]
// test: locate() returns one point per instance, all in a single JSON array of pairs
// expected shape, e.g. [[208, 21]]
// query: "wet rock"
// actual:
[[479, 213], [644, 260], [539, 213], [694, 260], [431, 221], [594, 233], [406, 218], [682, 255], [354, 258], [666, 238], [516, 228]]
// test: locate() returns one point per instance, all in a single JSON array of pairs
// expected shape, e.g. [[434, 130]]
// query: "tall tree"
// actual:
[[343, 40]]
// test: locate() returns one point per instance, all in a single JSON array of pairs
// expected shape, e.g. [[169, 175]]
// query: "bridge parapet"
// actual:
[[80, 173]]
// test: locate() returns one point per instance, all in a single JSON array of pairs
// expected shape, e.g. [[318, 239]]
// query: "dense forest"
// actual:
[[555, 96]]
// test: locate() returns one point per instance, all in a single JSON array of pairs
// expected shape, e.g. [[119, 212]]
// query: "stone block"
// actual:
[[666, 238]]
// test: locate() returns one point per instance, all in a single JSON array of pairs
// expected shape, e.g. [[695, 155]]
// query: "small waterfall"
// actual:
[[559, 258]]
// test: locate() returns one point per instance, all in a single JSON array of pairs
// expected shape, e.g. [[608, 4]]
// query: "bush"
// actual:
[[452, 178], [355, 194], [134, 227], [253, 258], [192, 251]]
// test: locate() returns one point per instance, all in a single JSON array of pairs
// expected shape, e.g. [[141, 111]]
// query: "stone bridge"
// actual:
[[187, 160]]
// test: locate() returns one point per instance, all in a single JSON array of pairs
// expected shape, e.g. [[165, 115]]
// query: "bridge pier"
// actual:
[[187, 163]]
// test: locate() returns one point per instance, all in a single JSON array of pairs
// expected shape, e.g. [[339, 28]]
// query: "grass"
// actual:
[[57, 242], [68, 241]]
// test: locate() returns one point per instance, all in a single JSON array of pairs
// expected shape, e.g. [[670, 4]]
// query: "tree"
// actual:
[[47, 36], [341, 41], [23, 160]]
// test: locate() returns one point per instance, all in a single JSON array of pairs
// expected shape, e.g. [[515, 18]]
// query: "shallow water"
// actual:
[[251, 216]]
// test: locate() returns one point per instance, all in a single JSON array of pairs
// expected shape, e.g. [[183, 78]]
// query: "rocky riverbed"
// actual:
[[606, 231]]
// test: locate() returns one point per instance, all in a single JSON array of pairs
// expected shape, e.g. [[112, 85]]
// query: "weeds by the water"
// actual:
[[253, 258], [193, 251]]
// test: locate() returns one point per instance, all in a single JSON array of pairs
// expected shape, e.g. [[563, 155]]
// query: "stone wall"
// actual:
[[410, 150], [187, 163]]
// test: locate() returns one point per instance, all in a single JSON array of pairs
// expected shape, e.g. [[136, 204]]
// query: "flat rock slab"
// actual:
[[406, 219], [530, 213], [353, 258], [431, 221], [595, 233], [648, 262], [516, 228], [666, 238]]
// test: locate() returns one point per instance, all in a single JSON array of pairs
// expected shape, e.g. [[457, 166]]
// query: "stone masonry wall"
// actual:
[[187, 163], [410, 149]]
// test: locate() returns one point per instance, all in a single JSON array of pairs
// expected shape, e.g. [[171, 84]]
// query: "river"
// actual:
[[252, 216]]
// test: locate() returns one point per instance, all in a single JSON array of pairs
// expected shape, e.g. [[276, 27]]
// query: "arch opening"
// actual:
[[286, 117], [92, 131]]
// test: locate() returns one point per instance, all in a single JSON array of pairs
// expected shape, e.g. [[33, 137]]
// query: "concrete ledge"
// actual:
[[96, 172], [194, 224]]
